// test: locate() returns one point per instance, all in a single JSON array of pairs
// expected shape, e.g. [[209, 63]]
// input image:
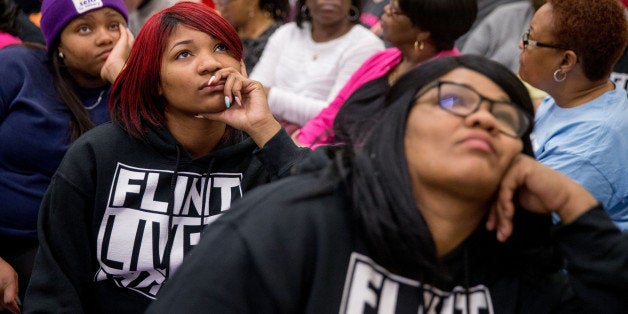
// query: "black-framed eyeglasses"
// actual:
[[525, 38], [462, 100]]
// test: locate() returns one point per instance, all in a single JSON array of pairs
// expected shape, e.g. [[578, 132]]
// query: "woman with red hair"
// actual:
[[190, 135]]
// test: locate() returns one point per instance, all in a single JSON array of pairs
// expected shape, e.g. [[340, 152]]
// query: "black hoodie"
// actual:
[[293, 247], [121, 214]]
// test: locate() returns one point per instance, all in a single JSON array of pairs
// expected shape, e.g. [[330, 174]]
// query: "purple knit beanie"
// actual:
[[56, 14]]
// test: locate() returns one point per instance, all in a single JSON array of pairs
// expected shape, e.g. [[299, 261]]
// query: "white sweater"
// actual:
[[305, 76]]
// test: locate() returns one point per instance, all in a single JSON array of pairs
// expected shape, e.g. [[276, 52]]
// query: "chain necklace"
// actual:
[[97, 101]]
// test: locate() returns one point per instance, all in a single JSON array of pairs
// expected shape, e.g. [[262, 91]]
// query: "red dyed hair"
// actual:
[[135, 101], [209, 3], [596, 30]]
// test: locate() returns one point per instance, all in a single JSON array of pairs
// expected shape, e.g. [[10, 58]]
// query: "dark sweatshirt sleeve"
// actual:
[[280, 154], [261, 257], [219, 275], [597, 260], [63, 256]]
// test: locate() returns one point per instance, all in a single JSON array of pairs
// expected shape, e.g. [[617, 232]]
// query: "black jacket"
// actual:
[[293, 247], [121, 214]]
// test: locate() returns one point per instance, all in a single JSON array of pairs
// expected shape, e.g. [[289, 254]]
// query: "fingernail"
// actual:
[[227, 102], [211, 79], [237, 99], [500, 236]]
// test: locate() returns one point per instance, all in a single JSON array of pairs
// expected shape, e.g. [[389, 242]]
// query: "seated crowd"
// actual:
[[309, 156]]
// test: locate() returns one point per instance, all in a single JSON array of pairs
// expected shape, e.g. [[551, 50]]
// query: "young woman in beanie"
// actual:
[[48, 98]]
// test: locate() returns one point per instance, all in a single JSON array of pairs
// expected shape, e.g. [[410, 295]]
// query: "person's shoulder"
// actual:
[[286, 34], [619, 98], [382, 59], [100, 143], [286, 209], [360, 31], [22, 54], [611, 106], [273, 27], [105, 129], [512, 7], [545, 105], [304, 189], [27, 68], [387, 53], [102, 135], [289, 28], [302, 200], [360, 38]]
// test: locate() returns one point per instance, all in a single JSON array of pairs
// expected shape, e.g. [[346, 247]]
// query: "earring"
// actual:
[[557, 76], [61, 55], [418, 45], [305, 11], [354, 13]]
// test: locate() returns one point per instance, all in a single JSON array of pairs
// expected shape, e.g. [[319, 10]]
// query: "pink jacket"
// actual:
[[319, 130]]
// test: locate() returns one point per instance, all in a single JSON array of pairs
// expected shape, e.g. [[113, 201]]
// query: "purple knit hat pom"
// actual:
[[56, 14]]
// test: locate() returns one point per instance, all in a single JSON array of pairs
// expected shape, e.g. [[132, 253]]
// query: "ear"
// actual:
[[160, 91], [570, 59]]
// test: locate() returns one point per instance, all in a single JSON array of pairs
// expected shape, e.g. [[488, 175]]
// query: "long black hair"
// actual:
[[383, 205], [66, 85], [8, 17]]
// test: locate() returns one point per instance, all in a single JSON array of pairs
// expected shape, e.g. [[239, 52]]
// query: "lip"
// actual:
[[329, 7], [479, 141], [104, 54], [218, 86]]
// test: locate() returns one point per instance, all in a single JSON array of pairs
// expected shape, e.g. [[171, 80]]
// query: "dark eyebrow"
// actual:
[[183, 42], [112, 12]]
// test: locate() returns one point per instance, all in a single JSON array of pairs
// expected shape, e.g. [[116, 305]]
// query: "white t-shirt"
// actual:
[[305, 76]]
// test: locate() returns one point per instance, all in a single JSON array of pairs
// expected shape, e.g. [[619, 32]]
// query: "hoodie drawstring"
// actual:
[[207, 177], [171, 233], [466, 277]]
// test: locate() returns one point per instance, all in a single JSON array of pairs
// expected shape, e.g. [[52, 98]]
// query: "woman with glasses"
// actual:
[[581, 128], [418, 30], [400, 223]]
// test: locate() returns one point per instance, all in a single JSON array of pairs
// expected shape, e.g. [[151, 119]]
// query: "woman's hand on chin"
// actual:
[[246, 106], [118, 56], [540, 190]]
